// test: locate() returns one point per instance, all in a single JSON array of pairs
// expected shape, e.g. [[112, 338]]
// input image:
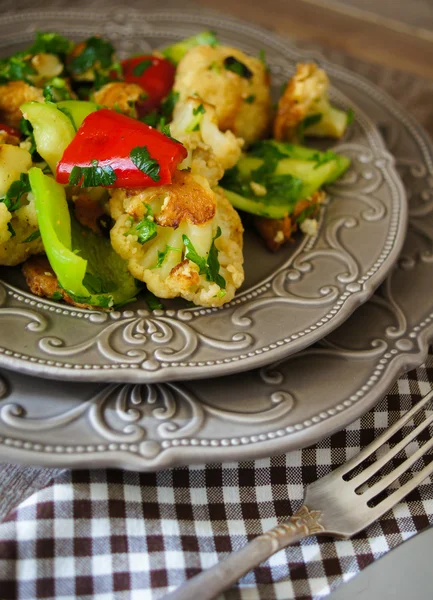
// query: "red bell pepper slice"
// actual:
[[155, 75], [109, 137]]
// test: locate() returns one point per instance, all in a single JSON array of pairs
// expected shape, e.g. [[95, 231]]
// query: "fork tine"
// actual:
[[384, 437], [386, 481], [367, 473], [399, 494]]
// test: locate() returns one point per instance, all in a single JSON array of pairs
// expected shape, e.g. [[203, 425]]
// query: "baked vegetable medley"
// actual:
[[126, 178]]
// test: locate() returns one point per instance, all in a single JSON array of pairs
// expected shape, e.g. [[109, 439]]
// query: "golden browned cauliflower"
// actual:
[[19, 223], [120, 96], [236, 84], [210, 152], [304, 108], [181, 239], [12, 95]]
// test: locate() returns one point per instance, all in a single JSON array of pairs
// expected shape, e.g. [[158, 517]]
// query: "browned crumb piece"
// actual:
[[7, 138], [12, 95], [42, 281], [276, 232]]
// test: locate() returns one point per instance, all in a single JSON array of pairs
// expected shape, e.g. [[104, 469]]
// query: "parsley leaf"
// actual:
[[93, 176], [236, 66], [56, 90], [11, 230], [52, 43], [27, 130], [141, 67], [307, 122], [350, 116], [16, 190], [250, 99], [213, 263], [326, 157], [198, 110], [16, 68], [162, 254], [142, 160], [145, 230], [209, 267], [152, 301], [168, 104], [33, 236], [152, 119], [96, 50]]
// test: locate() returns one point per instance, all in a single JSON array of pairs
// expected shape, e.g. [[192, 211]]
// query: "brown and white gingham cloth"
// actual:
[[113, 535]]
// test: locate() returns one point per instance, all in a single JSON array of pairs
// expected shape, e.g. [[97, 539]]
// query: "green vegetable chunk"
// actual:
[[52, 130], [177, 51], [273, 177], [208, 266], [99, 277]]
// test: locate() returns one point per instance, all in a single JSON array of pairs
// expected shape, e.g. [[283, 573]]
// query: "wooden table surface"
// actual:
[[390, 35]]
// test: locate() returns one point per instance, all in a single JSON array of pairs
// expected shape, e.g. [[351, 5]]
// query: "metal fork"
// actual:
[[334, 505]]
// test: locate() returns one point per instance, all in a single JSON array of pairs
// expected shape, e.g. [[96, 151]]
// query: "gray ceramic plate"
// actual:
[[289, 405], [289, 301]]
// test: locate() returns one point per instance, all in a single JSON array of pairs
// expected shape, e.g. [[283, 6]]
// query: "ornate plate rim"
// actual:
[[310, 433], [156, 369]]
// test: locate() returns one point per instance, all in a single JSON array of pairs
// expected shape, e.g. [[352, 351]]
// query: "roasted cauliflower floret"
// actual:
[[12, 96], [210, 152], [120, 96], [15, 229], [181, 239], [304, 108], [236, 84], [18, 220]]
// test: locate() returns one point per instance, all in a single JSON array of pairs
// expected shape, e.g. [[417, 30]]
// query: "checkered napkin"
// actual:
[[106, 535]]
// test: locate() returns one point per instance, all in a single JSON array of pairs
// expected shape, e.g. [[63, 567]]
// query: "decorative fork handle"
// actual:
[[210, 583]]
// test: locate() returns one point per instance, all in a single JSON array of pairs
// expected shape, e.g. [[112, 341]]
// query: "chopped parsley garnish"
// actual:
[[56, 296], [33, 236], [152, 301], [165, 129], [27, 130], [16, 190], [350, 116], [152, 119], [145, 230], [236, 66], [324, 158], [198, 110], [307, 122], [168, 104], [207, 266], [142, 160], [56, 90], [96, 51], [141, 67], [52, 43], [162, 254], [16, 68], [11, 230], [250, 99], [93, 176]]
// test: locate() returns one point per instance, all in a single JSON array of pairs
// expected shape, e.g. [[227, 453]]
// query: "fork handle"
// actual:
[[223, 575]]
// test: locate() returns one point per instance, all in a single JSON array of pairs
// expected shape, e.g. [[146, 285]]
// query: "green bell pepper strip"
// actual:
[[53, 129], [100, 278], [54, 224], [77, 110]]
